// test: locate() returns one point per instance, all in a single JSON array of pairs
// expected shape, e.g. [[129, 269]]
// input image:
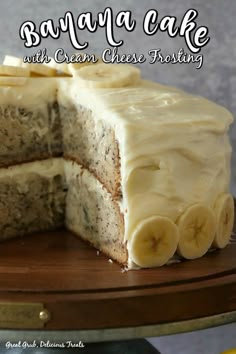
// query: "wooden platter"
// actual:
[[53, 281]]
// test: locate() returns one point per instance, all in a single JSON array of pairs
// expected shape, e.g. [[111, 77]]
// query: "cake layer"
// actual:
[[32, 198], [93, 214], [92, 144], [30, 124]]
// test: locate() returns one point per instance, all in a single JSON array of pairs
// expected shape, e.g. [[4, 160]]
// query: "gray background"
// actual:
[[215, 80]]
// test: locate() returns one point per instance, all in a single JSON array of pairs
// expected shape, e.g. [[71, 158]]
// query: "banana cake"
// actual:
[[138, 169]]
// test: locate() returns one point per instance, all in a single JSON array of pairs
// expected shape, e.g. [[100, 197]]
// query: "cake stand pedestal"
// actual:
[[54, 287]]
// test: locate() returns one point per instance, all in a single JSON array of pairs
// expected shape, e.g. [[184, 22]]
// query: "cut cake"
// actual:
[[138, 169]]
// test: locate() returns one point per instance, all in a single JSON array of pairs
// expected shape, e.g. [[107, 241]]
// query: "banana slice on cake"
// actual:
[[12, 61], [107, 75], [74, 67], [224, 211], [197, 231], [41, 70], [62, 69], [13, 76], [7, 70], [12, 81], [154, 242], [35, 69]]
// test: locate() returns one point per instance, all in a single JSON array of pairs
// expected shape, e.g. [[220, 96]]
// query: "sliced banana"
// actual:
[[35, 69], [224, 211], [6, 70], [107, 75], [12, 61], [62, 69], [12, 81], [197, 230], [74, 67], [50, 69], [154, 242], [41, 69]]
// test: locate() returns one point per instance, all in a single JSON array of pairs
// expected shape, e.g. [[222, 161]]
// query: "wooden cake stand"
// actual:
[[55, 287]]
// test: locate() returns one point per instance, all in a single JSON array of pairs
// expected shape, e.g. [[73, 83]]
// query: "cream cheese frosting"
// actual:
[[46, 168], [35, 92], [174, 147]]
